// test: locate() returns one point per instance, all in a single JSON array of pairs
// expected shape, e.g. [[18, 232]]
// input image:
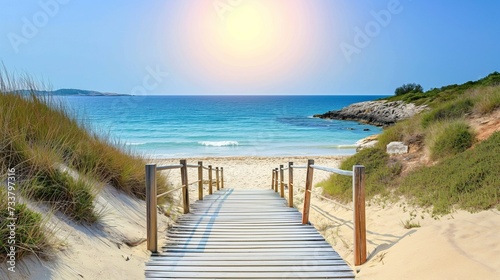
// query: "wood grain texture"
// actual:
[[307, 193], [359, 215], [245, 234]]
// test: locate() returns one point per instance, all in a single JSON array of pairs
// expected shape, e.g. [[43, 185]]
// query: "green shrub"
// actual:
[[380, 172], [409, 88], [449, 110], [449, 138]]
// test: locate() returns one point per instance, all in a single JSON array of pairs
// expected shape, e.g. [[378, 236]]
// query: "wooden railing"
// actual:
[[358, 187], [152, 195]]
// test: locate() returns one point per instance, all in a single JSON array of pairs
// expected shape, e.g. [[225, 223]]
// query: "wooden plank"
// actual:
[[267, 278], [245, 258], [244, 262], [285, 274], [260, 255], [241, 269], [204, 247], [249, 250], [246, 237]]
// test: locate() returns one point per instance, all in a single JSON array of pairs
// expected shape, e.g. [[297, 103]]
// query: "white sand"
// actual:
[[458, 246], [249, 172]]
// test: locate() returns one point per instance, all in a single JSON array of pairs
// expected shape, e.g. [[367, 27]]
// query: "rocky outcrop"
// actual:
[[381, 112]]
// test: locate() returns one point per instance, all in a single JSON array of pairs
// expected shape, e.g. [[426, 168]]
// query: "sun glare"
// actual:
[[245, 24], [248, 43], [247, 30]]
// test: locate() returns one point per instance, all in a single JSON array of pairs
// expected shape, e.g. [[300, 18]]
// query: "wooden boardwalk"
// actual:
[[245, 234]]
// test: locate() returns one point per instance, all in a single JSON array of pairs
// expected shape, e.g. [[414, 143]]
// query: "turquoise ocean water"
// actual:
[[206, 126]]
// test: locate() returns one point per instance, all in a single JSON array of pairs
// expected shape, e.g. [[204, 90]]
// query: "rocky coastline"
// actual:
[[379, 112]]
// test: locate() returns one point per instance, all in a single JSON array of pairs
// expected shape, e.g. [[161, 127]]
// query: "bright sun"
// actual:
[[247, 29], [245, 24]]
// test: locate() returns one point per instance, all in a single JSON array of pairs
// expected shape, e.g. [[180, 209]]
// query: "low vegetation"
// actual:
[[460, 175], [57, 161], [448, 138], [469, 180], [408, 224], [438, 96], [380, 171]]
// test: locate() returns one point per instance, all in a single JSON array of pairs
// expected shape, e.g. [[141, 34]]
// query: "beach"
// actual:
[[249, 172], [460, 245]]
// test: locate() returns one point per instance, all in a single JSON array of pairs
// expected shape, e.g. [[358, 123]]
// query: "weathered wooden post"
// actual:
[[276, 180], [222, 177], [290, 184], [151, 214], [200, 180], [217, 178], [272, 181], [307, 194], [210, 180], [358, 187], [282, 181], [185, 187]]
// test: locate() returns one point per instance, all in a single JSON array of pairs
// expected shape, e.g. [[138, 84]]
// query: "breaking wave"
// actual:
[[218, 143]]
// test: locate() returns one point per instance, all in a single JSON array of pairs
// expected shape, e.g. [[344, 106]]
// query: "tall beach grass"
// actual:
[[58, 161]]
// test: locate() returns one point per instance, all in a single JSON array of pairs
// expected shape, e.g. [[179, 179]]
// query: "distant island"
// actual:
[[69, 92]]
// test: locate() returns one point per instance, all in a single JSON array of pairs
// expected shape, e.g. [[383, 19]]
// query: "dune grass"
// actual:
[[58, 160], [448, 138], [448, 111], [469, 180], [487, 100], [30, 233]]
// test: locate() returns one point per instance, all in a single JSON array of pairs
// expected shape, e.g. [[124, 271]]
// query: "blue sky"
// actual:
[[298, 47]]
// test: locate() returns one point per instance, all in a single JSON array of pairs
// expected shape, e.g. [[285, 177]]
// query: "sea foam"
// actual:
[[218, 143]]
